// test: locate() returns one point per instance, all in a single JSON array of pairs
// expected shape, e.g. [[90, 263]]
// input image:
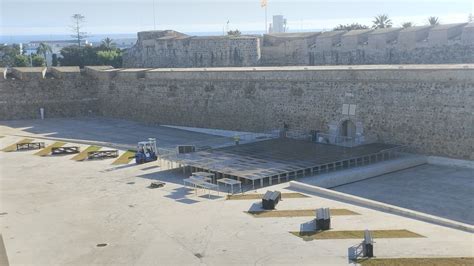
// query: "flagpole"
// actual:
[[154, 16], [266, 22]]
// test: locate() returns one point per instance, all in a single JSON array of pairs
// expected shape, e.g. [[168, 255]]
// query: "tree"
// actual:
[[407, 25], [78, 56], [108, 44], [88, 56], [20, 60], [110, 57], [8, 54], [37, 60], [55, 60], [353, 26], [43, 49], [470, 18], [381, 22], [78, 21], [234, 33], [433, 21]]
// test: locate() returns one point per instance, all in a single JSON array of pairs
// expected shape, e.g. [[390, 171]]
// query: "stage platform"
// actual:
[[281, 158]]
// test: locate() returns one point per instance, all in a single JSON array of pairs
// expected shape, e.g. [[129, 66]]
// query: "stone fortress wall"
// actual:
[[442, 44], [175, 49], [427, 107]]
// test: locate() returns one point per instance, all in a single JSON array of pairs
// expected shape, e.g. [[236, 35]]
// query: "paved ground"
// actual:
[[438, 190], [113, 131], [54, 211]]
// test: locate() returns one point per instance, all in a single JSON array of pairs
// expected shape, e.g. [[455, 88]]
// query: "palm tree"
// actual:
[[407, 25], [381, 22], [353, 26], [43, 49], [108, 43], [433, 21]]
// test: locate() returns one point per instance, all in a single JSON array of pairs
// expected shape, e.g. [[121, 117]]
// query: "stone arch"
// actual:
[[346, 127]]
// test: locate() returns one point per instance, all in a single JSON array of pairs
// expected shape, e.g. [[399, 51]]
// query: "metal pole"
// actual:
[[154, 17], [266, 23]]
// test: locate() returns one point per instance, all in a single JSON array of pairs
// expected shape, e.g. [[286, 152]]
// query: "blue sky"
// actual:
[[29, 17]]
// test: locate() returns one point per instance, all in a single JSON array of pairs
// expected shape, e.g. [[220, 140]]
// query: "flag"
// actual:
[[263, 3]]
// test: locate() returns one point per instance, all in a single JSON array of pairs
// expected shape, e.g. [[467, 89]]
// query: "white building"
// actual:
[[279, 24]]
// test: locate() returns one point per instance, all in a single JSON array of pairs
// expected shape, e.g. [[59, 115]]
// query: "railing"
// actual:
[[298, 134], [344, 141]]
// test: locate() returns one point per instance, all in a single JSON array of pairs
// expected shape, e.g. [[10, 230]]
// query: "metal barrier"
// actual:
[[344, 141], [29, 146], [64, 150], [92, 155]]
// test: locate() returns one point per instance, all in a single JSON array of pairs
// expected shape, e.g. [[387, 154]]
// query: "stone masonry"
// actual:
[[442, 44], [427, 107], [174, 49]]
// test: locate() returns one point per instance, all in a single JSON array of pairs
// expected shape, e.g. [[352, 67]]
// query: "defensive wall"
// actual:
[[441, 44], [61, 90], [174, 49], [428, 107]]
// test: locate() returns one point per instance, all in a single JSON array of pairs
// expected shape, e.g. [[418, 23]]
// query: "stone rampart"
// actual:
[[442, 44], [61, 91], [174, 49], [427, 107]]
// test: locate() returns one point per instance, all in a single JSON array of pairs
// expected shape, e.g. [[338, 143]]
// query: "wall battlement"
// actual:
[[442, 44], [424, 106]]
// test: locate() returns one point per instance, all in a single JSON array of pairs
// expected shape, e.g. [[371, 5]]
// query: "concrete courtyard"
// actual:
[[438, 190], [56, 211]]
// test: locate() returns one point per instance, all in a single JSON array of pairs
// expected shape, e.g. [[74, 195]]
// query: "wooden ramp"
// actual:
[[83, 154], [125, 158], [46, 151], [13, 146]]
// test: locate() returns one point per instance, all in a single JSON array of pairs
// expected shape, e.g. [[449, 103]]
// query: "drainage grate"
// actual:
[[101, 245]]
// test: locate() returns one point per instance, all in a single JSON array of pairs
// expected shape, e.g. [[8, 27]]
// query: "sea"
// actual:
[[94, 38]]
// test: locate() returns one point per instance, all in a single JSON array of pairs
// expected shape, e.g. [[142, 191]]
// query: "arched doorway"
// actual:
[[347, 129]]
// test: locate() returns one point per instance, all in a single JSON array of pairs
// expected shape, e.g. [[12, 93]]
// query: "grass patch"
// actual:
[[125, 158], [298, 213], [83, 154], [259, 196], [354, 234], [418, 261], [13, 146], [46, 151]]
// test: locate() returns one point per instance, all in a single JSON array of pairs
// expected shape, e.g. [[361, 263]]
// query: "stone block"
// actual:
[[441, 34], [381, 38], [409, 37], [354, 38]]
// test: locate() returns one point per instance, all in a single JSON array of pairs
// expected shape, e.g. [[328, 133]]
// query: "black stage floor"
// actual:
[[282, 156]]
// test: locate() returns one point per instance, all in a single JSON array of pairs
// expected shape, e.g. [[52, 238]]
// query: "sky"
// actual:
[[35, 17]]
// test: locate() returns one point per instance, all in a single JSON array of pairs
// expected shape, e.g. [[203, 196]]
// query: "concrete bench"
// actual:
[[270, 199]]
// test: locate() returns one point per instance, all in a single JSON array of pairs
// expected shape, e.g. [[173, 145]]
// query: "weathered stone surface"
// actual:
[[69, 94], [442, 44], [174, 49], [428, 107]]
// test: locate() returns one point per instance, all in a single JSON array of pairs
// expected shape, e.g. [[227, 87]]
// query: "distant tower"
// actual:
[[279, 23]]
